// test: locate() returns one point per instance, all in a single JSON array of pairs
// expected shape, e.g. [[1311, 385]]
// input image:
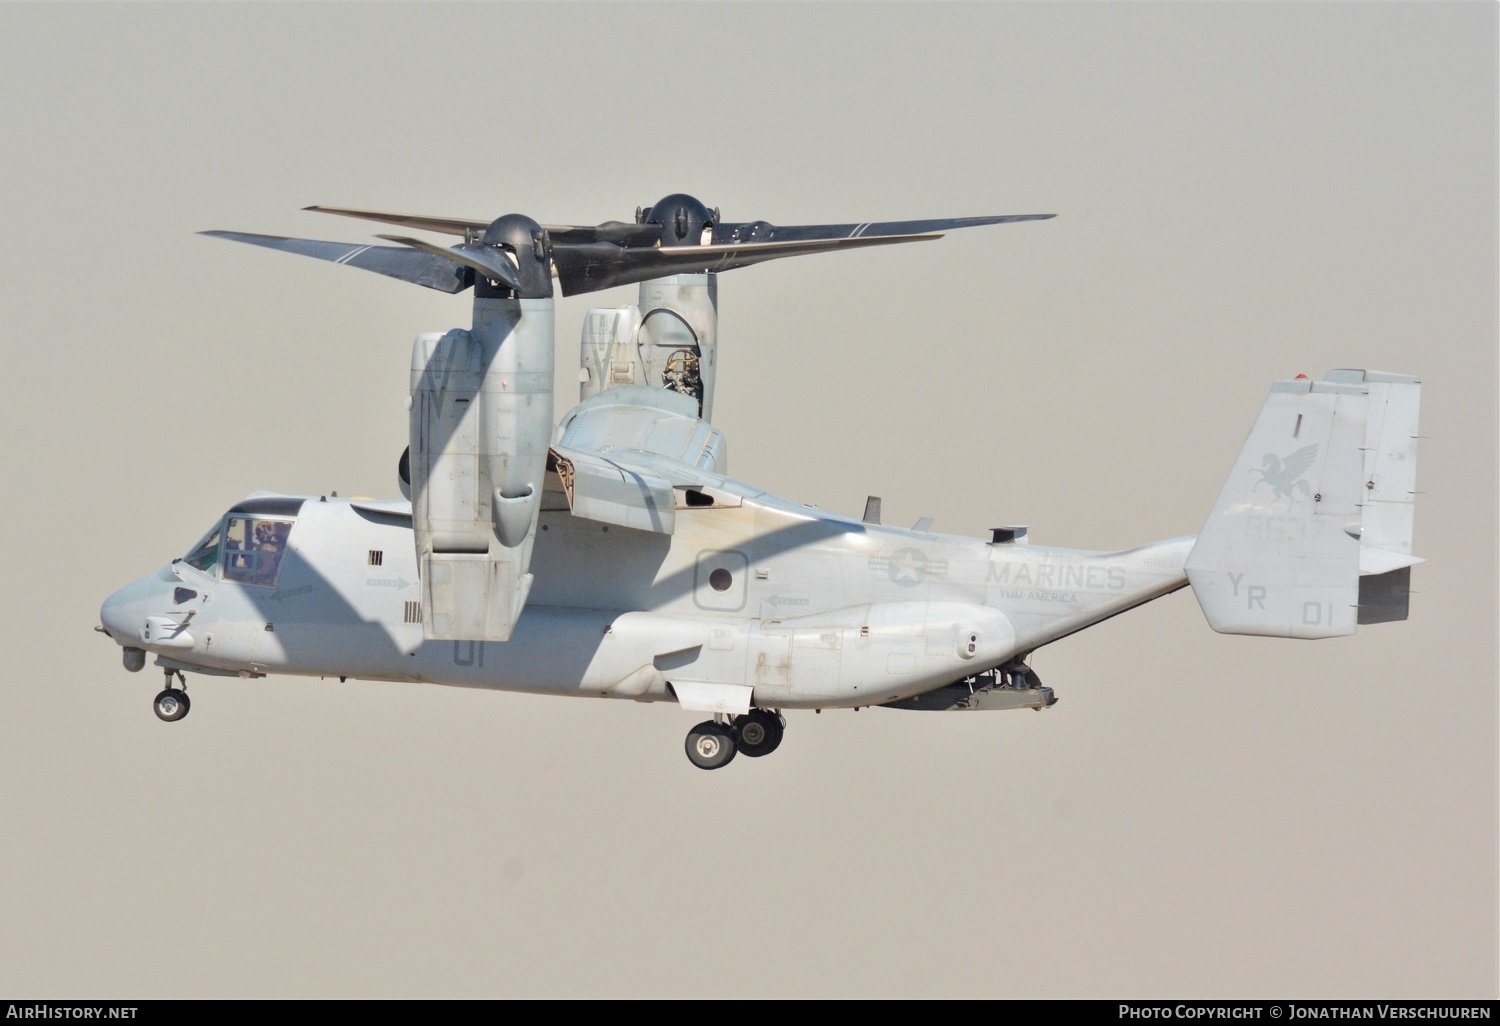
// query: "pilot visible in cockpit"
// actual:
[[253, 550], [269, 542]]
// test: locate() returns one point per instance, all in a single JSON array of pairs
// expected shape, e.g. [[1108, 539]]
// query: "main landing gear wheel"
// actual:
[[172, 705], [759, 731], [710, 745]]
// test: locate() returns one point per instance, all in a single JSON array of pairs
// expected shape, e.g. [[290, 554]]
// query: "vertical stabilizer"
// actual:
[[1279, 555]]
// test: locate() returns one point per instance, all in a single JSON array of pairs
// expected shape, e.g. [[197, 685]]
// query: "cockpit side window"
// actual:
[[205, 555], [253, 548]]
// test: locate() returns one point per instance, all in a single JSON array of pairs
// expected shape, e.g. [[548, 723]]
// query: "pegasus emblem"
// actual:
[[1285, 475]]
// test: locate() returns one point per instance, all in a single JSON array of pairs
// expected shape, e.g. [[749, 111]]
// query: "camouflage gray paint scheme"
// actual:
[[659, 578], [613, 556]]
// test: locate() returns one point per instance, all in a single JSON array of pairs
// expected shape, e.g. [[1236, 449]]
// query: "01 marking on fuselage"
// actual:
[[1315, 614]]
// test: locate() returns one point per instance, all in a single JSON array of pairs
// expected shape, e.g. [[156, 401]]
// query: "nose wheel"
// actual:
[[172, 704]]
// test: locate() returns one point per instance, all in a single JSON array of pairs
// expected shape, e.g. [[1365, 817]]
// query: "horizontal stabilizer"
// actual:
[[1383, 561]]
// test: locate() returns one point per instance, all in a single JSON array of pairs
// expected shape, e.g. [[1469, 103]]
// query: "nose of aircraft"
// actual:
[[122, 612]]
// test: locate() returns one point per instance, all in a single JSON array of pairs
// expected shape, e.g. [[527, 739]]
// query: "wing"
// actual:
[[633, 455]]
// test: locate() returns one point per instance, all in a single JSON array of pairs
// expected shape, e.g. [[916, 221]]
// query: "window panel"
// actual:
[[253, 549]]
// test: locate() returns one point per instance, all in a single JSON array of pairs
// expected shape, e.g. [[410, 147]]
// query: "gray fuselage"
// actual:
[[808, 608]]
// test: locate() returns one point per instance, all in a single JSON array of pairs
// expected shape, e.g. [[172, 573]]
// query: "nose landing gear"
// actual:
[[172, 704], [714, 743]]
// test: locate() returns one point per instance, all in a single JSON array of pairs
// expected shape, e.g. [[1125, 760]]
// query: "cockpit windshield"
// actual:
[[250, 549], [205, 555], [253, 547]]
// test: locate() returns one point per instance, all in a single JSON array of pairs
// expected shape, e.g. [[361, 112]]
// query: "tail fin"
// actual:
[[1321, 494]]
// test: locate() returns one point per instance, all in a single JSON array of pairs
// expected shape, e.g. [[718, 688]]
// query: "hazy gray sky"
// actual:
[[1244, 192]]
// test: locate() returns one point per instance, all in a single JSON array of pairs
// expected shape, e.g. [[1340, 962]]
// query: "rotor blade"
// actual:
[[626, 234], [487, 260], [447, 225], [762, 231], [621, 233], [434, 271], [590, 267], [609, 231]]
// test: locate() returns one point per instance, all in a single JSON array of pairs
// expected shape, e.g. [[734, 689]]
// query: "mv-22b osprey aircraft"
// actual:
[[611, 555]]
